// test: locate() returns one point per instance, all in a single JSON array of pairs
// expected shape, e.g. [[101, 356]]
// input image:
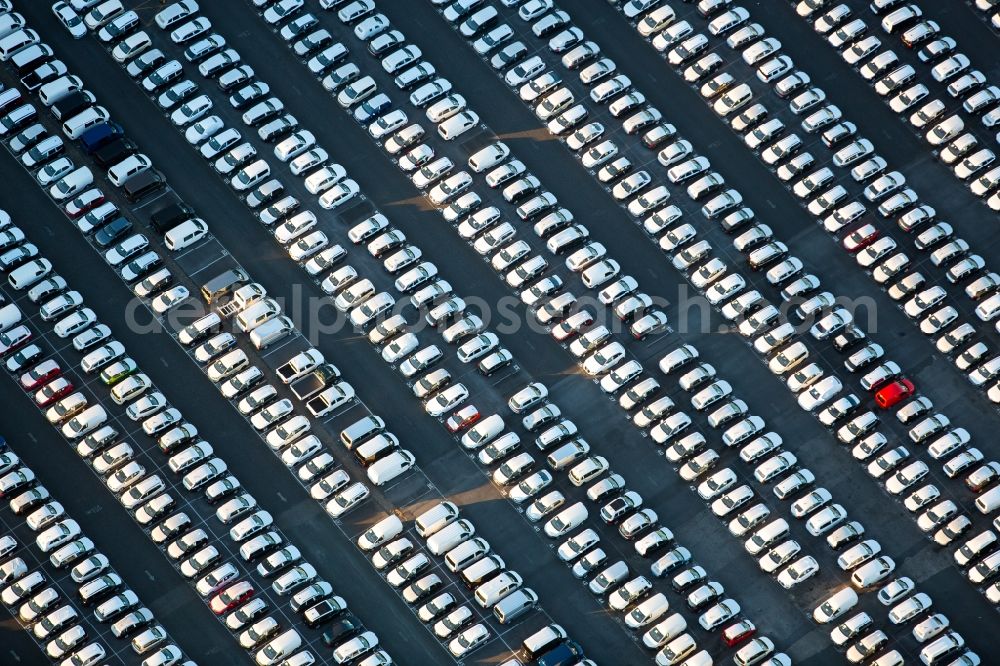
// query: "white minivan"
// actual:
[[16, 41], [279, 648], [386, 469], [83, 121], [271, 331], [435, 518], [989, 501], [185, 234], [55, 90]]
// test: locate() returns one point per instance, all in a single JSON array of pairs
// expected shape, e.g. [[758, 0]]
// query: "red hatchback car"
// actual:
[[892, 394], [462, 419], [84, 203], [54, 390], [735, 634], [860, 238], [231, 597], [40, 374]]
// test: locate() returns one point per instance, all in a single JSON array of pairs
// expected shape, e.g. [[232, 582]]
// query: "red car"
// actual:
[[735, 634], [231, 597], [13, 339], [860, 238], [891, 394], [462, 419], [40, 374], [84, 203], [54, 390]]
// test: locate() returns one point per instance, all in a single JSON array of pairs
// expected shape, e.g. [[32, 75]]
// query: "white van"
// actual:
[[435, 518], [28, 274], [250, 176], [379, 533], [279, 648], [448, 537], [10, 315], [989, 501], [483, 432], [83, 121], [676, 650], [458, 125], [481, 570], [8, 97], [376, 447], [16, 41], [85, 422], [257, 314], [514, 605], [9, 22], [185, 234], [766, 536], [942, 649], [466, 553], [497, 588], [393, 465], [543, 639], [270, 332]]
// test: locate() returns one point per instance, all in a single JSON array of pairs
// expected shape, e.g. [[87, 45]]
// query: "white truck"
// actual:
[[299, 365]]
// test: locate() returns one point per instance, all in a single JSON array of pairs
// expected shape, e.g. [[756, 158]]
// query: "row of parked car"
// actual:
[[308, 248], [863, 559], [351, 292], [381, 444], [145, 494], [54, 620], [839, 319], [644, 608], [889, 391], [181, 461], [397, 347], [917, 306], [470, 558], [546, 506], [962, 150], [899, 391], [604, 65], [142, 494], [948, 67], [483, 226]]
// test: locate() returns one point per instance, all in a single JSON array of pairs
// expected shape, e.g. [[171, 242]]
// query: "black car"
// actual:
[[264, 193], [72, 104], [24, 358], [850, 338], [115, 151], [564, 654], [346, 627], [508, 54], [170, 216], [321, 613], [111, 232]]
